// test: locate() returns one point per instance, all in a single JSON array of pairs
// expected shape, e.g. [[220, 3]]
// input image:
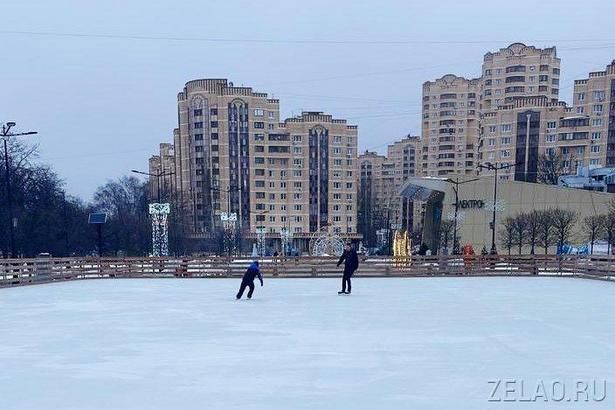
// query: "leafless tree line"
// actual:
[[555, 227]]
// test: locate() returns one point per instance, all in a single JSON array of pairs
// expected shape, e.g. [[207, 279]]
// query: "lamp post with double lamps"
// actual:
[[495, 167]]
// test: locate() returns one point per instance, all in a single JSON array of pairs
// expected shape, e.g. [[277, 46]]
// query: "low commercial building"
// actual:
[[590, 179], [476, 205]]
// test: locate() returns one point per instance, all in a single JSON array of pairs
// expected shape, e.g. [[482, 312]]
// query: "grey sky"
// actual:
[[102, 105]]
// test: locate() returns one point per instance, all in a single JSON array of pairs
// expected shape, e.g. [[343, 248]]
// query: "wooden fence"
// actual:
[[15, 272]]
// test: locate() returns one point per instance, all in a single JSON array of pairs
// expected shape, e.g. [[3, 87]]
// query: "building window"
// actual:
[[505, 153], [198, 137], [581, 96], [214, 135], [596, 135], [198, 124], [551, 125], [198, 148], [598, 95], [259, 125], [214, 124], [597, 122], [213, 111], [491, 142], [297, 138], [595, 148], [551, 138], [598, 108], [506, 140], [259, 112], [506, 127], [580, 110], [198, 112], [298, 207], [259, 137], [259, 160], [271, 115], [259, 184]]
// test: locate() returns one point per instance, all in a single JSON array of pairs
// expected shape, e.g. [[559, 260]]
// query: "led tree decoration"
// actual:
[[160, 228]]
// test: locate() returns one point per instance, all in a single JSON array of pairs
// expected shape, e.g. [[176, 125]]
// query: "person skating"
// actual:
[[351, 263], [248, 280]]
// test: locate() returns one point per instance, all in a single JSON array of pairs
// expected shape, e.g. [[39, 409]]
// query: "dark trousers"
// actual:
[[242, 288], [346, 281]]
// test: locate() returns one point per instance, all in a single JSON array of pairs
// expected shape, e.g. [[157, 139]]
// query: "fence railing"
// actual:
[[15, 272]]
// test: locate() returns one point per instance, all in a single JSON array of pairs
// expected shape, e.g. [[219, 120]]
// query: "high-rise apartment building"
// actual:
[[594, 98], [450, 126], [550, 127], [163, 164], [519, 71], [381, 178], [233, 155], [219, 125]]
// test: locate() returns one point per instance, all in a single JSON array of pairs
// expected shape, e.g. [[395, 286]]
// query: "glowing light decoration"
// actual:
[[260, 240], [500, 206], [285, 237], [160, 228], [325, 243]]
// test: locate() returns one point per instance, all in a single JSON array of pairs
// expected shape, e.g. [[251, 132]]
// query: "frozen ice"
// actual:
[[395, 343]]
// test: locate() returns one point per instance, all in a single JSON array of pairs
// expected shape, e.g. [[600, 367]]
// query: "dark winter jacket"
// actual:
[[350, 259], [252, 273]]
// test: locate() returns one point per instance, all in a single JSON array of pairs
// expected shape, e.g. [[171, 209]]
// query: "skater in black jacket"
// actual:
[[252, 273], [351, 263]]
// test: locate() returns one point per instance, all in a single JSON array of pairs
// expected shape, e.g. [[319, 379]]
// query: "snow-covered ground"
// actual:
[[432, 343]]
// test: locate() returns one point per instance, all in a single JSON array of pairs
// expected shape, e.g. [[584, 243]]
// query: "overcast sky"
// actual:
[[102, 102]]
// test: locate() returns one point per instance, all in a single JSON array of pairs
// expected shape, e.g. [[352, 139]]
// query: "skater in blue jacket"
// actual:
[[252, 273]]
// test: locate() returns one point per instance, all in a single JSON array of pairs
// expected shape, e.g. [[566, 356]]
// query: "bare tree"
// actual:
[[532, 229], [446, 234], [609, 228], [545, 229], [593, 226], [520, 227], [563, 223], [550, 167], [507, 233]]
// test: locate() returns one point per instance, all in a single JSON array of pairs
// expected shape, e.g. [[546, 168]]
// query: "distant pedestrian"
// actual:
[[351, 263], [252, 273]]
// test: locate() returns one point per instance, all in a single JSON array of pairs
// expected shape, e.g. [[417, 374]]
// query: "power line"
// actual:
[[280, 41]]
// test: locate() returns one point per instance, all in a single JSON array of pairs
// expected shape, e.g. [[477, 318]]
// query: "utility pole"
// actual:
[[495, 167], [6, 128], [456, 184]]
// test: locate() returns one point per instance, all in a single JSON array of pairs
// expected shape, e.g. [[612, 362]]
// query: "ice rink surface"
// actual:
[[431, 343]]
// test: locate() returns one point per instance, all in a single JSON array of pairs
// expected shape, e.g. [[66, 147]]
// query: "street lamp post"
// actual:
[[495, 167], [6, 133], [456, 184]]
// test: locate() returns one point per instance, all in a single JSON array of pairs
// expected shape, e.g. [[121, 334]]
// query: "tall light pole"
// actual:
[[495, 167], [6, 134], [456, 184], [157, 175], [159, 215]]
